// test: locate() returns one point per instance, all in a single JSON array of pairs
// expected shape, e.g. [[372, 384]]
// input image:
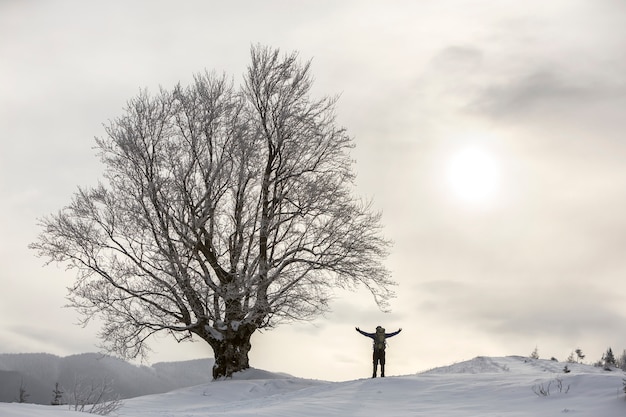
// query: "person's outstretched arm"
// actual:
[[394, 333], [371, 335]]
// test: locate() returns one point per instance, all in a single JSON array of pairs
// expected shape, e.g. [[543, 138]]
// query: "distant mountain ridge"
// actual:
[[39, 372]]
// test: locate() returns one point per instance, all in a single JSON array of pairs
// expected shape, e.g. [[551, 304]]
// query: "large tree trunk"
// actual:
[[231, 350]]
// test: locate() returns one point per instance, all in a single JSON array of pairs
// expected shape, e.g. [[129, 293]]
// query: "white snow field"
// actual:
[[484, 386]]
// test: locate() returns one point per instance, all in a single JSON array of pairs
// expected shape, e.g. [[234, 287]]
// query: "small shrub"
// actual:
[[543, 390], [94, 397]]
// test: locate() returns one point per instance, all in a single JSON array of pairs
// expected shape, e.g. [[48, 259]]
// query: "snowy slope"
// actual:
[[486, 387]]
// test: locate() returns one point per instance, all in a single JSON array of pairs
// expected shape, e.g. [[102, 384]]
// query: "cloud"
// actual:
[[559, 309], [457, 59], [527, 93], [45, 338]]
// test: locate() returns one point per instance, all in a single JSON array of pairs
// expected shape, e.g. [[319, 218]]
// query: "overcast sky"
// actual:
[[491, 134]]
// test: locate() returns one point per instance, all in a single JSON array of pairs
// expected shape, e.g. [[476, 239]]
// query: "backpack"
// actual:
[[379, 339]]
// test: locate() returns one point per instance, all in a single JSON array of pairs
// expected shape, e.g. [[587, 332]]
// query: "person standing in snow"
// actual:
[[379, 337]]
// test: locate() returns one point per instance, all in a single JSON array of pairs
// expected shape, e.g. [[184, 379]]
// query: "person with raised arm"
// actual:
[[379, 337]]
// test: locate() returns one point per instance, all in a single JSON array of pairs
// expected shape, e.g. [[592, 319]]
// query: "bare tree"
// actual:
[[94, 397], [223, 211]]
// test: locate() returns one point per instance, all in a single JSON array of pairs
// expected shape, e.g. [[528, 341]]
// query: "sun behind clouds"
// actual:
[[473, 175]]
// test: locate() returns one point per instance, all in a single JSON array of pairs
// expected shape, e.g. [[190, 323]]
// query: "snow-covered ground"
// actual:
[[484, 386]]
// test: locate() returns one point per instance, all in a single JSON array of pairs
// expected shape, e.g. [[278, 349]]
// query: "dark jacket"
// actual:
[[373, 335]]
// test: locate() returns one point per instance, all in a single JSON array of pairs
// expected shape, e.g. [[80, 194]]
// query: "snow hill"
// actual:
[[39, 372], [483, 386]]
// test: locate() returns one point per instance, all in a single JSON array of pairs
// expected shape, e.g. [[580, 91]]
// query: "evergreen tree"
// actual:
[[58, 395], [609, 359], [23, 395], [534, 354], [621, 361], [580, 355]]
